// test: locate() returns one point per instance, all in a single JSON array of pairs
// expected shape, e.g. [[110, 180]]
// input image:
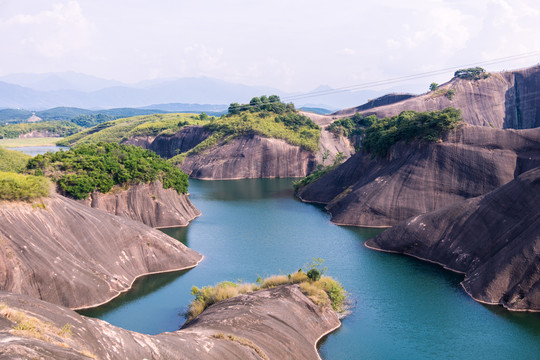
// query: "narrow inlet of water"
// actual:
[[404, 308]]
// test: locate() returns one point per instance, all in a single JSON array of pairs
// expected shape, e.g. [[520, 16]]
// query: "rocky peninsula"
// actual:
[[58, 249], [420, 177], [493, 239], [279, 323], [150, 204]]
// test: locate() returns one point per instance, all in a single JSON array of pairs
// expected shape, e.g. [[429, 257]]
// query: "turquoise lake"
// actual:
[[404, 308]]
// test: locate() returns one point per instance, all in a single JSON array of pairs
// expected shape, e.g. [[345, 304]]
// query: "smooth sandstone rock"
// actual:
[[279, 323], [503, 100], [493, 239], [421, 177], [150, 204], [71, 254]]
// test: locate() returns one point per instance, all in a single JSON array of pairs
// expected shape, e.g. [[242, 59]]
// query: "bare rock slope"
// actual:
[[280, 323], [421, 177], [70, 254], [250, 156], [247, 156], [150, 204], [493, 239], [503, 100]]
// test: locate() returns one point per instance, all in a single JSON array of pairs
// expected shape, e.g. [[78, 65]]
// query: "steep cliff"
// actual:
[[279, 323], [150, 204], [493, 239], [187, 138], [250, 156], [503, 100], [420, 177], [67, 253]]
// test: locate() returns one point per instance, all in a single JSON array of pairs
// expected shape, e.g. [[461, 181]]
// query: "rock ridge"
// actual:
[[150, 204], [60, 249], [493, 239], [421, 177], [279, 323], [503, 100]]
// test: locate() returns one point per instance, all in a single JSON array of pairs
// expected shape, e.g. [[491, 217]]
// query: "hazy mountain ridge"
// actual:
[[42, 91]]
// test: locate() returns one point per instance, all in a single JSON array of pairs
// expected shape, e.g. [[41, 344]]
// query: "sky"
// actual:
[[292, 45]]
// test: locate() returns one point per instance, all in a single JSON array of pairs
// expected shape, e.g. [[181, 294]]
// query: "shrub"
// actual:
[[314, 275], [87, 168], [318, 288], [475, 73], [408, 126], [13, 161], [18, 187]]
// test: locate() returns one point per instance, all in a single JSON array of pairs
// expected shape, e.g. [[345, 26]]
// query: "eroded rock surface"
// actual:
[[503, 100], [421, 177], [70, 254], [250, 156], [279, 323], [493, 239], [150, 204]]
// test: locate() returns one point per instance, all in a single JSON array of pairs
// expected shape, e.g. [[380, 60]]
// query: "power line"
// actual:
[[407, 77]]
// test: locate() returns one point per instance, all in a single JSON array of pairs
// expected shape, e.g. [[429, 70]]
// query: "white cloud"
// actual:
[[50, 33]]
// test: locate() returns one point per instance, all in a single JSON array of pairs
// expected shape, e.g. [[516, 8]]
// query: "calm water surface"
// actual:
[[36, 150], [405, 309]]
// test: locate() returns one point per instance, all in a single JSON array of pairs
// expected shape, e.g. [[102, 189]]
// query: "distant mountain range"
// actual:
[[67, 89]]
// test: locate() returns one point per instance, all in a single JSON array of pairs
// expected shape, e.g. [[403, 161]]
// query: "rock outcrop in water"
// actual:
[[421, 177], [280, 323], [493, 239], [503, 100], [150, 204], [70, 254]]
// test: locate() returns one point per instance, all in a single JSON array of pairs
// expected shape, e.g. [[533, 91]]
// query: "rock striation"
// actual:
[[280, 323], [503, 100], [250, 156], [421, 177], [150, 204], [184, 140], [493, 239], [70, 254], [247, 156]]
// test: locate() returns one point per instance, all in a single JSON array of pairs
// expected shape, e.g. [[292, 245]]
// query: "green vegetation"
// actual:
[[87, 168], [270, 103], [144, 125], [433, 86], [320, 172], [59, 128], [409, 126], [24, 142], [475, 73], [262, 117], [13, 161], [350, 126], [91, 119], [318, 287], [18, 187]]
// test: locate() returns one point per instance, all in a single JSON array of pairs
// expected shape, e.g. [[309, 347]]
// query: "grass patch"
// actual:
[[319, 289], [145, 125], [59, 128], [29, 326], [242, 341], [18, 187], [13, 161], [40, 141]]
